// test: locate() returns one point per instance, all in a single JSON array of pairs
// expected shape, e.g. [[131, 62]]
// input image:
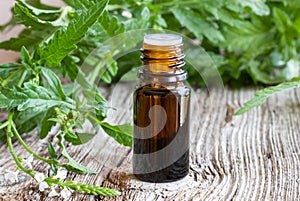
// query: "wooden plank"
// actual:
[[254, 157]]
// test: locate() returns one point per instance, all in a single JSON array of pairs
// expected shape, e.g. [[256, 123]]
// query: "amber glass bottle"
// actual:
[[161, 111]]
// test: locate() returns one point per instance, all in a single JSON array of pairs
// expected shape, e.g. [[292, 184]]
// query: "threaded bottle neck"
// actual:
[[162, 58]]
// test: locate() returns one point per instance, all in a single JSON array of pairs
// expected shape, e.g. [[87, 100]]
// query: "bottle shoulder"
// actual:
[[150, 89]]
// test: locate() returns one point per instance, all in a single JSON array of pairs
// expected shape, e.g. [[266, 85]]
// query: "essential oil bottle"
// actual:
[[161, 111]]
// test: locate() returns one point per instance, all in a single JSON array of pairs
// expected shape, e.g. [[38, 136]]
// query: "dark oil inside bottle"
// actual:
[[163, 157], [161, 111]]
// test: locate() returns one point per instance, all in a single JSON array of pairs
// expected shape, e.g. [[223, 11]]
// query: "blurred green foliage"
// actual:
[[253, 41]]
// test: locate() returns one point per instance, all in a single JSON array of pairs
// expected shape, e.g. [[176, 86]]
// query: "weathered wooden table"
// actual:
[[255, 156]]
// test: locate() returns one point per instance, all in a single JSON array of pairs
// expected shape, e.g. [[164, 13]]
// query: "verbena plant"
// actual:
[[250, 41]]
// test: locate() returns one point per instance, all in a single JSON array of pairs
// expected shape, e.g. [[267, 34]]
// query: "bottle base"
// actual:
[[160, 177]]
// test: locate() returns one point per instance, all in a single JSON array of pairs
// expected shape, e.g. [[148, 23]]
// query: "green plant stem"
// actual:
[[9, 120], [83, 188], [17, 135], [15, 157], [94, 118], [11, 148], [5, 124]]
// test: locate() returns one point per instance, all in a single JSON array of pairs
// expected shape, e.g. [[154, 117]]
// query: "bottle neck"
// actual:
[[162, 64]]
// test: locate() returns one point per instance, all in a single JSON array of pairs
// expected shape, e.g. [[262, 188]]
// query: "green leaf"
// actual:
[[44, 125], [197, 25], [262, 76], [54, 83], [75, 4], [31, 118], [121, 133], [107, 27], [51, 151], [54, 168], [27, 120], [141, 20], [9, 66], [26, 59], [281, 20], [110, 25], [160, 21], [72, 164], [69, 67], [64, 40], [80, 5], [81, 138], [100, 105], [31, 96], [27, 17], [297, 25], [95, 103], [101, 35], [109, 72], [226, 16], [38, 4], [251, 39], [288, 33], [70, 134], [40, 16], [257, 6], [10, 74], [262, 95], [113, 69]]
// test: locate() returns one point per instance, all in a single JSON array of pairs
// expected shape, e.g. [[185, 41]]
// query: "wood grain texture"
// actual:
[[255, 156]]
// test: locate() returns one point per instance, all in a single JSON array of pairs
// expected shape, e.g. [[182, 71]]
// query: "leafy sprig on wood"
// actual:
[[32, 93], [262, 95]]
